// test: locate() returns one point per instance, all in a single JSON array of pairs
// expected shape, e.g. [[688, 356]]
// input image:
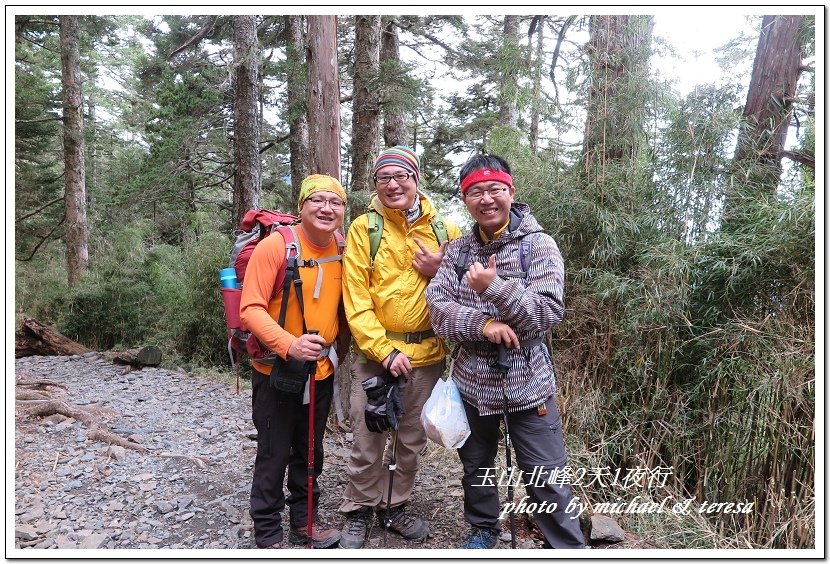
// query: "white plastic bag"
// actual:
[[443, 416]]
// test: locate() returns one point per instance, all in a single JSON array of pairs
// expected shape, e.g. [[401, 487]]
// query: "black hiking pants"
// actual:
[[281, 421]]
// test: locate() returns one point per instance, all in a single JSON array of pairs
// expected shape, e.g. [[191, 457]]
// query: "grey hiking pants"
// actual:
[[539, 447]]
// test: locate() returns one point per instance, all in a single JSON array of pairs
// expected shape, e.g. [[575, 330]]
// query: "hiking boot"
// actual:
[[275, 545], [354, 531], [321, 536], [481, 538], [405, 524]]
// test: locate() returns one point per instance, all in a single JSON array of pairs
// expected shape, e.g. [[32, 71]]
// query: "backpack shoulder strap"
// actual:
[[341, 243], [439, 227], [525, 247], [289, 273], [461, 261], [375, 233], [292, 249]]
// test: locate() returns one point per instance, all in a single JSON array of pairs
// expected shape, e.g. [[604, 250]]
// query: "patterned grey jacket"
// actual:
[[530, 306]]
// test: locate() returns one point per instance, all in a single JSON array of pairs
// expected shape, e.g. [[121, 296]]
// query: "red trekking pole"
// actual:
[[312, 369]]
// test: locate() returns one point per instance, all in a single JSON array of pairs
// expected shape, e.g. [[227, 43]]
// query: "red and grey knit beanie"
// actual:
[[400, 155]]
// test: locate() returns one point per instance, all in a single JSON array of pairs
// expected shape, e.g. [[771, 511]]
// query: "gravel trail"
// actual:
[[190, 489]]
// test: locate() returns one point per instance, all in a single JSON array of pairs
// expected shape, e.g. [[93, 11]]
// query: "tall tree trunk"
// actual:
[[323, 96], [77, 231], [92, 132], [619, 48], [509, 63], [536, 109], [394, 124], [297, 112], [365, 109], [767, 113], [247, 164]]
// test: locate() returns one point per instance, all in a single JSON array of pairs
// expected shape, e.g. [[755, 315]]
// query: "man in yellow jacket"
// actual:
[[389, 321]]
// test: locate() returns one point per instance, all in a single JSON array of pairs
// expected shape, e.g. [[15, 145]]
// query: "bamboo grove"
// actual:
[[686, 222]]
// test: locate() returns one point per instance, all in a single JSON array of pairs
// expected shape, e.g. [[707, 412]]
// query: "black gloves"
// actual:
[[384, 407]]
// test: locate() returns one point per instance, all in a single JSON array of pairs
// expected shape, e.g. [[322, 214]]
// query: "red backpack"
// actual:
[[256, 226]]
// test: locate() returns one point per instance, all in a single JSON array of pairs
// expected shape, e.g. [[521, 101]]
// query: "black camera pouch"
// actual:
[[289, 375]]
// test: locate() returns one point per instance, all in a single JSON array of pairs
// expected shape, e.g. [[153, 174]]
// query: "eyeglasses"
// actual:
[[320, 202], [494, 191], [398, 176]]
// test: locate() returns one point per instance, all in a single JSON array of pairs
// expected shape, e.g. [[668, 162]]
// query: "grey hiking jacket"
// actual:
[[530, 306]]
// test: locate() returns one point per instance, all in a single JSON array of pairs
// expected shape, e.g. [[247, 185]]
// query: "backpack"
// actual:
[[255, 227], [376, 231]]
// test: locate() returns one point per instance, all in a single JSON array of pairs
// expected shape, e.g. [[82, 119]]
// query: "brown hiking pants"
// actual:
[[368, 463]]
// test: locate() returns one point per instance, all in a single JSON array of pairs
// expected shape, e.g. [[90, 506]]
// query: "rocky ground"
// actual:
[[189, 489]]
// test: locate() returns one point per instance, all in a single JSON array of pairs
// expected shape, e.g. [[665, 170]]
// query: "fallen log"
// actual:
[[35, 338], [139, 356]]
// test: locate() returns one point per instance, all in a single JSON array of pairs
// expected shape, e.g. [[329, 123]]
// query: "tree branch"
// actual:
[[44, 47], [31, 121], [196, 38], [565, 25], [43, 240], [273, 142], [405, 44], [217, 183], [429, 36], [807, 159], [41, 208]]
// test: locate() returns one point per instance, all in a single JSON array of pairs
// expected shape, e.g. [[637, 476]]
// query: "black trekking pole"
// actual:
[[503, 366], [312, 369], [392, 467]]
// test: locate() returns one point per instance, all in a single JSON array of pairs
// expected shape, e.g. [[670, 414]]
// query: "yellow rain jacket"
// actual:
[[391, 297]]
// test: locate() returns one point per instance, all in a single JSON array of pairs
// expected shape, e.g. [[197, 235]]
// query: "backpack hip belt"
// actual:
[[411, 338]]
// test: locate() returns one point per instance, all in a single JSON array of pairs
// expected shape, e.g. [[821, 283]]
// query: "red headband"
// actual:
[[483, 174]]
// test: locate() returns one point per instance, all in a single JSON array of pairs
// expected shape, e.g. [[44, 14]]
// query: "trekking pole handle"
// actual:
[[312, 365]]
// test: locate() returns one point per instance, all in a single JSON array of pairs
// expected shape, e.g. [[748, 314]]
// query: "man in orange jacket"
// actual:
[[280, 417]]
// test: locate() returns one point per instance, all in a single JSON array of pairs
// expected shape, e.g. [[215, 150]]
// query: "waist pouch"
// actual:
[[289, 375]]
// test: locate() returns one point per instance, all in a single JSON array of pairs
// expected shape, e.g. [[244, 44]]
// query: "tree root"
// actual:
[[23, 380], [39, 402], [26, 395], [97, 434], [51, 406]]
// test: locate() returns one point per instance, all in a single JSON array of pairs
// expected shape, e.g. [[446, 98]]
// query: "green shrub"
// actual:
[[114, 305], [194, 324], [40, 285]]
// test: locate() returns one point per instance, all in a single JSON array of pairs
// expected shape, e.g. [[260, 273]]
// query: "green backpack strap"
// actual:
[[439, 227], [375, 232]]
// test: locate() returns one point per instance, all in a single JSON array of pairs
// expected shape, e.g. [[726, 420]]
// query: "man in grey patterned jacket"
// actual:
[[502, 285]]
